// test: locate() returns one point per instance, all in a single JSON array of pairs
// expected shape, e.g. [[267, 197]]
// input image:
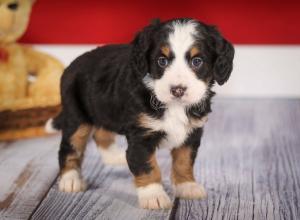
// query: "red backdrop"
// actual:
[[116, 21]]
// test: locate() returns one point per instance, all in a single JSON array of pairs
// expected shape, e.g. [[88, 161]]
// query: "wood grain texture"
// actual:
[[110, 195], [249, 162], [27, 170]]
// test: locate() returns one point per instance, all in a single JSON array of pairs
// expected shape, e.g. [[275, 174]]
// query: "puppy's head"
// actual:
[[180, 59]]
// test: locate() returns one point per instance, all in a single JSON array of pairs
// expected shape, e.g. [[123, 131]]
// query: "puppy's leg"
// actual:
[[182, 170], [70, 157], [142, 163], [110, 152]]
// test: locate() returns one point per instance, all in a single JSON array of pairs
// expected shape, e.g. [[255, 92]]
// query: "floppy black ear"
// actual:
[[224, 53], [141, 46]]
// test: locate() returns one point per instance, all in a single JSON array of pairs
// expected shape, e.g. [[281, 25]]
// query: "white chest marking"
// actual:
[[175, 124]]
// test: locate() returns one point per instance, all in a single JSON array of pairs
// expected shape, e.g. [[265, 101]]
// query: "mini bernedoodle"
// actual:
[[156, 91]]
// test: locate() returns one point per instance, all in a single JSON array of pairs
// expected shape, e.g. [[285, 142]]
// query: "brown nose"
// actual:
[[178, 91]]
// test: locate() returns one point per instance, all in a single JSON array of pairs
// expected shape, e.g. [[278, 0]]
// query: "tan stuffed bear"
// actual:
[[29, 80]]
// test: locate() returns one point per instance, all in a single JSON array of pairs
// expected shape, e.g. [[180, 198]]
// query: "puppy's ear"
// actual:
[[224, 53], [141, 46]]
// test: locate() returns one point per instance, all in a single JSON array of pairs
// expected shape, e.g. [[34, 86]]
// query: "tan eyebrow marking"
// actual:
[[165, 50], [194, 51]]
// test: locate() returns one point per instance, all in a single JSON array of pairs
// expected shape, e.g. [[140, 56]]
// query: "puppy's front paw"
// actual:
[[153, 196], [190, 190], [71, 181]]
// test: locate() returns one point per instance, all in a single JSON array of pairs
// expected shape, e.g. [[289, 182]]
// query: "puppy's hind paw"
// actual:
[[113, 156], [190, 190]]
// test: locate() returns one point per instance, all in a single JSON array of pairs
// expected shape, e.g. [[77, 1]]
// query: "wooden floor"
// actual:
[[249, 163]]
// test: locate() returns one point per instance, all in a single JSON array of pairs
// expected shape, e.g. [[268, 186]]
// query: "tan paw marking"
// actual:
[[153, 196], [71, 181], [190, 190]]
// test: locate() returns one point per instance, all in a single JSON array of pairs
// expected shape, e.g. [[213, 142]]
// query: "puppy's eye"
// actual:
[[13, 6], [162, 62], [196, 62]]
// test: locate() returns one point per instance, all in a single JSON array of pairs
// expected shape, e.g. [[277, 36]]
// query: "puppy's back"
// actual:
[[90, 75]]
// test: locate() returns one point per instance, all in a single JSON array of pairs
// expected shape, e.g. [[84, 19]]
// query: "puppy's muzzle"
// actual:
[[178, 91]]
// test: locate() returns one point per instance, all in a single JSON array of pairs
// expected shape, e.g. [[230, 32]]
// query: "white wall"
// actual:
[[271, 71], [259, 71]]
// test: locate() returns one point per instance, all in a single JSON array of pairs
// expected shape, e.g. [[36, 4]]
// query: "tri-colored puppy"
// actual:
[[157, 92]]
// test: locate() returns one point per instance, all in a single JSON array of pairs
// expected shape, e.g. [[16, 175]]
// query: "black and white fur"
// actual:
[[111, 86]]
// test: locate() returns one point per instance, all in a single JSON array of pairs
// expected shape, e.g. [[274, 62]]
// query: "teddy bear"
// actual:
[[29, 79]]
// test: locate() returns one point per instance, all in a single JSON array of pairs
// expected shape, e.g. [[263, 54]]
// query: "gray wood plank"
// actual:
[[27, 170], [249, 162], [110, 195]]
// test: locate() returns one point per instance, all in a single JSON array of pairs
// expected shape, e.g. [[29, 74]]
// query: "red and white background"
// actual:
[[266, 35]]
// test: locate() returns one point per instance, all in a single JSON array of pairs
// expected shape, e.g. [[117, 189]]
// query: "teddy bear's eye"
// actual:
[[13, 6]]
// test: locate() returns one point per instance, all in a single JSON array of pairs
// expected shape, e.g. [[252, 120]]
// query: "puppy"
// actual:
[[157, 92]]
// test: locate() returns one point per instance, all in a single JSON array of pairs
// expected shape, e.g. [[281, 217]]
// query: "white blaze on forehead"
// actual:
[[182, 37]]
